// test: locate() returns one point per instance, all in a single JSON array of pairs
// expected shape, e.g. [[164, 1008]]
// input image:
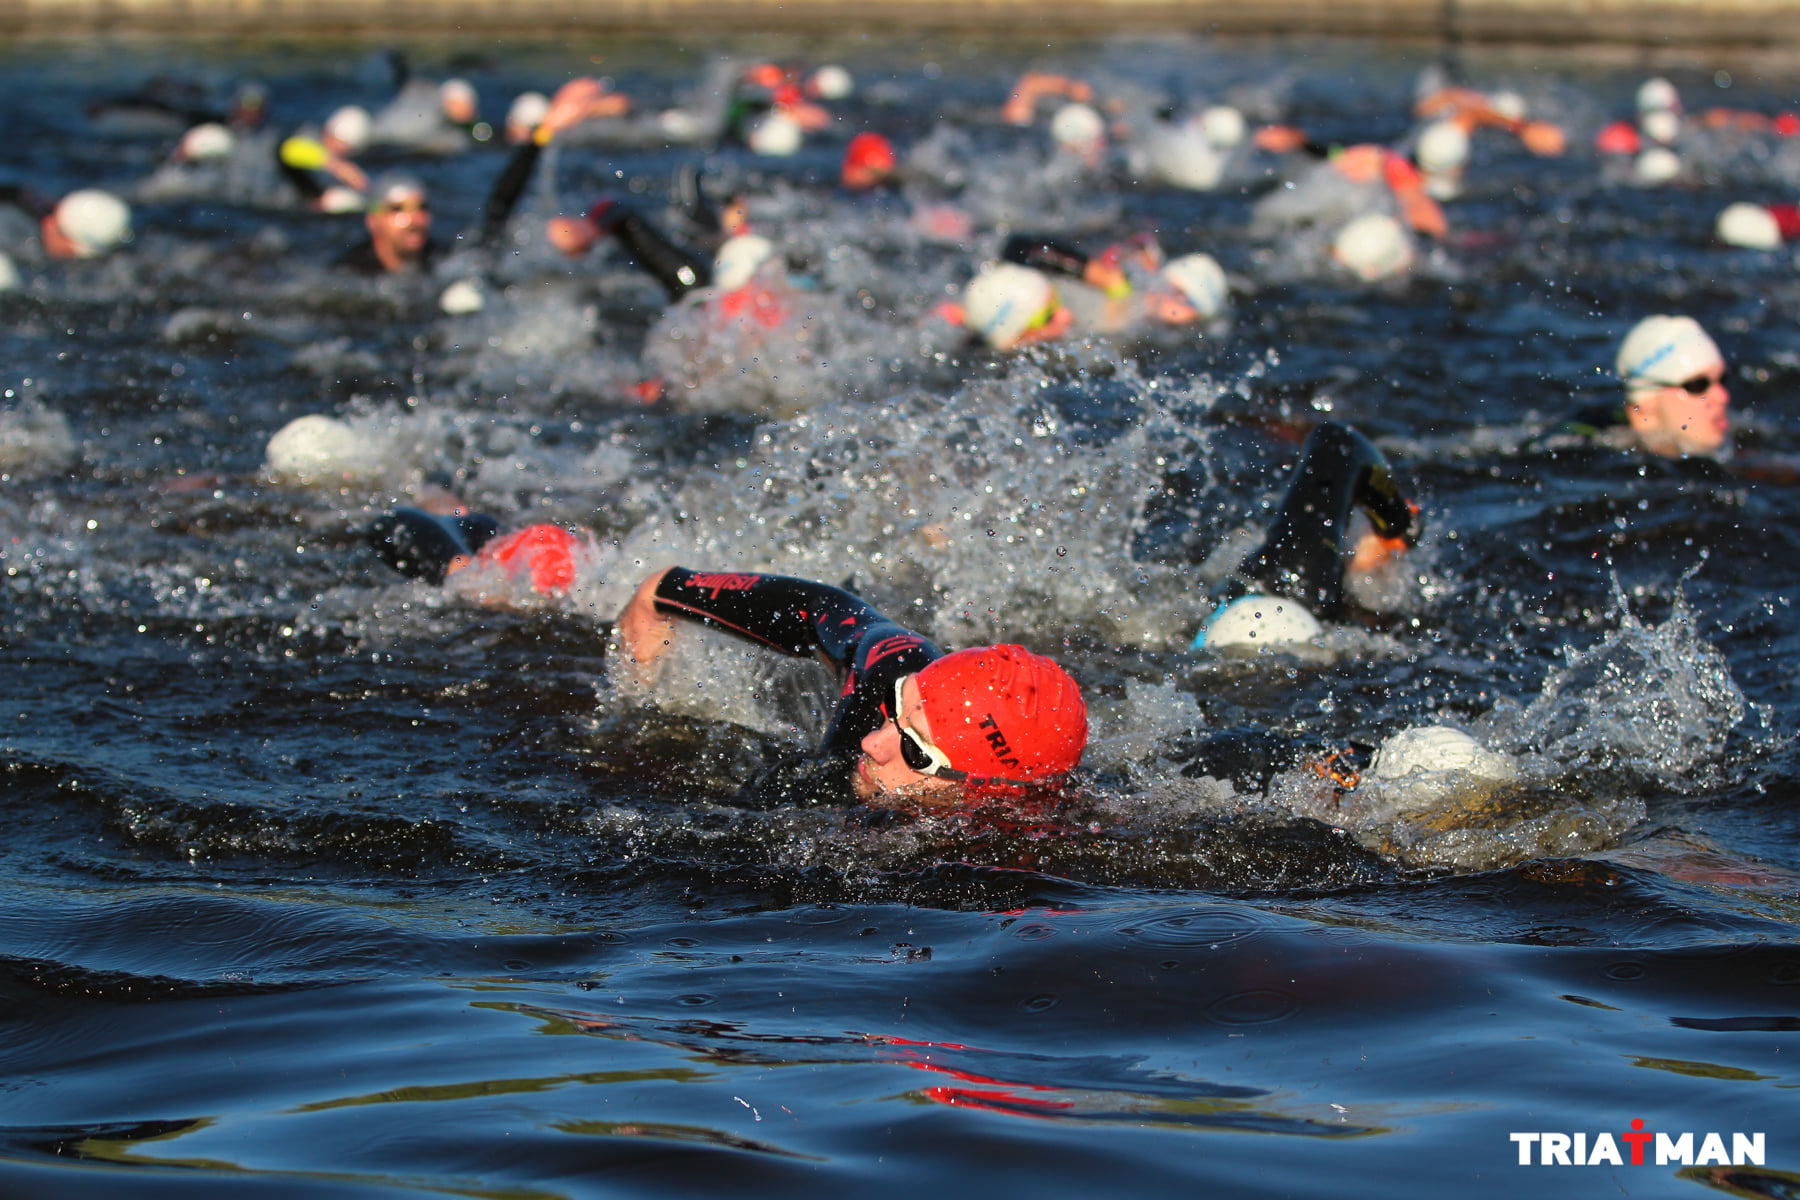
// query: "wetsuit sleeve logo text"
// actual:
[[721, 581]]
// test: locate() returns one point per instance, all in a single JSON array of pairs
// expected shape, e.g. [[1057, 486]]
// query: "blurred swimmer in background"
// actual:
[[1675, 398]]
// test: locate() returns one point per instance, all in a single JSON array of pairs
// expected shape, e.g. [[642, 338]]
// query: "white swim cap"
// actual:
[[1443, 146], [1749, 225], [738, 259], [1661, 126], [95, 221], [1003, 300], [316, 449], [1663, 351], [391, 189], [457, 93], [1185, 157], [462, 298], [1200, 278], [9, 274], [681, 125], [832, 82], [528, 109], [1257, 620], [1438, 750], [211, 140], [1658, 95], [1224, 125], [1077, 127], [349, 125], [775, 135], [1657, 165], [1373, 246], [1508, 104], [340, 198]]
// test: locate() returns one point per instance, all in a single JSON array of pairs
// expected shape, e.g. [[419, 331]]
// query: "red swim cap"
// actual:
[[868, 159], [1004, 712], [1621, 137], [1400, 173], [765, 75], [546, 551], [1787, 219]]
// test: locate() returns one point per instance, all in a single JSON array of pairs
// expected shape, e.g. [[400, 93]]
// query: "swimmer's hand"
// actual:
[[576, 101], [1543, 138], [1373, 552], [574, 236], [643, 632], [1279, 139]]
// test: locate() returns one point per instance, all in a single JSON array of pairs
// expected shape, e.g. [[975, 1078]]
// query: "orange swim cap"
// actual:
[[546, 551], [1004, 712]]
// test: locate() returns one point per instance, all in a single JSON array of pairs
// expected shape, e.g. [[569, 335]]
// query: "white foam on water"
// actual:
[[979, 517], [1649, 707], [35, 440]]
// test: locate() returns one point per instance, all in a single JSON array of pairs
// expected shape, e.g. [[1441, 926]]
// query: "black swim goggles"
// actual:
[[1697, 385]]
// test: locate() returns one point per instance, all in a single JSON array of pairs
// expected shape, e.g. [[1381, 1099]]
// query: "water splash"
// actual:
[[34, 441], [1649, 705], [986, 515]]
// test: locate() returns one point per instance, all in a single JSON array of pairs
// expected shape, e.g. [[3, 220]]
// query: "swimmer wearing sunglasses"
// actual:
[[913, 723], [1675, 402], [399, 225]]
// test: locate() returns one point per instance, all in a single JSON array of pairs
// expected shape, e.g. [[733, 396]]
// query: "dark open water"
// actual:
[[319, 883]]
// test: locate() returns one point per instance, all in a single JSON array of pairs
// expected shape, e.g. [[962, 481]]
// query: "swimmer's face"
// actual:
[[574, 236], [401, 223], [1171, 308], [734, 217], [1682, 420], [460, 105], [881, 775]]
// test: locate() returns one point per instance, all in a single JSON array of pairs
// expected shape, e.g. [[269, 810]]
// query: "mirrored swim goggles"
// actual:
[[918, 753], [927, 759], [404, 198]]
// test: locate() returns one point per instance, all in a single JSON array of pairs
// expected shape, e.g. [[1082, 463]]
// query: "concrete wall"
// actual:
[[1673, 24]]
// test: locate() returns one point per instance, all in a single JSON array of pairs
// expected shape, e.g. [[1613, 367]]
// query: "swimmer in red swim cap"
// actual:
[[544, 558], [913, 724]]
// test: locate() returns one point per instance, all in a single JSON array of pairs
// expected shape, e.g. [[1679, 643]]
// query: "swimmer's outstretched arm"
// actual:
[[1303, 557], [795, 616], [574, 102]]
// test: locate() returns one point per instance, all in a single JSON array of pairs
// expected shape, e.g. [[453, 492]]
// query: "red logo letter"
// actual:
[[1637, 1140]]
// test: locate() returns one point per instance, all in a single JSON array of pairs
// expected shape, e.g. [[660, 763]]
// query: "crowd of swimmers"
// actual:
[[914, 721]]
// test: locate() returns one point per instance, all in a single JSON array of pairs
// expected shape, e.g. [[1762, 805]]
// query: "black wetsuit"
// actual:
[[679, 271], [1596, 419], [1044, 254], [802, 618], [422, 545], [1303, 557], [362, 259], [304, 181], [503, 197], [30, 203]]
